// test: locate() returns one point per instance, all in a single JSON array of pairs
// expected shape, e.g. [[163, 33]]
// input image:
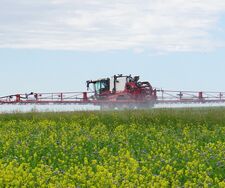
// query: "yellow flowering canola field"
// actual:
[[155, 148]]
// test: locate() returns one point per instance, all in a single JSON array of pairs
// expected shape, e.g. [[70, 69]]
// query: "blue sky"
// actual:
[[56, 45]]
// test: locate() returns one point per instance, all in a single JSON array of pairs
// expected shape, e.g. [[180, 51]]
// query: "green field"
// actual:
[[155, 148]]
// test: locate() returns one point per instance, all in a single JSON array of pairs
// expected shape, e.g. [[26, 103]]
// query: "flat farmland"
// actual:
[[155, 148]]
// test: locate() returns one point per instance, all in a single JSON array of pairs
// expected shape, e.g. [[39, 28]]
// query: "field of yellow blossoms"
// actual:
[[155, 148]]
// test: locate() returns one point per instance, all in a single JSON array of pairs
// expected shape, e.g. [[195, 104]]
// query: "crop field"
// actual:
[[155, 148]]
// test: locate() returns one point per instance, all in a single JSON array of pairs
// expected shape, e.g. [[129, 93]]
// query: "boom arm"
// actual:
[[170, 96], [162, 97], [47, 98]]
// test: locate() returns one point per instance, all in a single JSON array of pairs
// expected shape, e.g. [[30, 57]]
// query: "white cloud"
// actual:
[[90, 25]]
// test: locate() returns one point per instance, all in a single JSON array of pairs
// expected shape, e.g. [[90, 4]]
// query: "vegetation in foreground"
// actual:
[[157, 148]]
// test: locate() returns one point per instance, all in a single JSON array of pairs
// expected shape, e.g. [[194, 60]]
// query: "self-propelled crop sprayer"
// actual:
[[118, 92]]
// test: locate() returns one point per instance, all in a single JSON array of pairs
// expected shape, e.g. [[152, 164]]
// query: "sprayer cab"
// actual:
[[109, 85], [100, 86]]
